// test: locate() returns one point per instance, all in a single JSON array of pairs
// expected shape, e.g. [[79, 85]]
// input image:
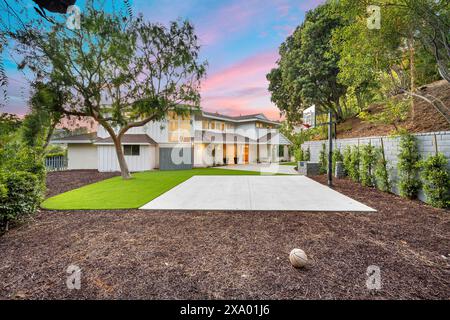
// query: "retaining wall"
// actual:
[[428, 144]]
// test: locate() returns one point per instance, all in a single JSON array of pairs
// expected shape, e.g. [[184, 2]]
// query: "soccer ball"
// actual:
[[298, 258]]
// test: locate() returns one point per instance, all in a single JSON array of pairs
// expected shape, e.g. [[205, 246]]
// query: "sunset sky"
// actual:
[[239, 39]]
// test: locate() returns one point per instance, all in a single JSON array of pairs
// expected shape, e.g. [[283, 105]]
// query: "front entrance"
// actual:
[[246, 154]]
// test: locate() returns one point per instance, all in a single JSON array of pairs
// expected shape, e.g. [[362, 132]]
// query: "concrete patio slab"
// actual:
[[264, 168], [255, 193]]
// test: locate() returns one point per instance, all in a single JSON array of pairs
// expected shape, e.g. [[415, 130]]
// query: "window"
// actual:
[[132, 150], [260, 125], [179, 128]]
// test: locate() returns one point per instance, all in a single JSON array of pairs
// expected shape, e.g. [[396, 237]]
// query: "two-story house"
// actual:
[[200, 140]]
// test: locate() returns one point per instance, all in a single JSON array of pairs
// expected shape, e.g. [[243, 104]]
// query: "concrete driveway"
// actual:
[[256, 193], [264, 168]]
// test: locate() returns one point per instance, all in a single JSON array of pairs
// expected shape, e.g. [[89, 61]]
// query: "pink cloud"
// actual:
[[252, 68], [230, 18], [241, 88]]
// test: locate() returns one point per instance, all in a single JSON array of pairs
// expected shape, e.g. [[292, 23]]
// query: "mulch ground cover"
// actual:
[[127, 254]]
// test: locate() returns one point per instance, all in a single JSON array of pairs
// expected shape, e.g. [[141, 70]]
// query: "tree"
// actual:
[[432, 22], [395, 51], [9, 123], [44, 115], [122, 72], [308, 68]]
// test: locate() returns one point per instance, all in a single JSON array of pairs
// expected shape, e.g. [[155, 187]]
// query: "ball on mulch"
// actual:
[[298, 258]]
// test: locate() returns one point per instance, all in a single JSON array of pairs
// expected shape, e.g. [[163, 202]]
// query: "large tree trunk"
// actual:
[[121, 158], [117, 139]]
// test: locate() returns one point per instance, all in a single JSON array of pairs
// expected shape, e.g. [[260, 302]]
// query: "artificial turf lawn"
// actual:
[[116, 193], [288, 163]]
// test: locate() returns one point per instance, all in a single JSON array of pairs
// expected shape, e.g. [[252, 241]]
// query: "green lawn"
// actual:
[[288, 163], [116, 193]]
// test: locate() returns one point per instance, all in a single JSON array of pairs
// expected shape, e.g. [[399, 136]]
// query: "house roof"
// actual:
[[80, 138], [141, 139], [246, 118], [277, 138]]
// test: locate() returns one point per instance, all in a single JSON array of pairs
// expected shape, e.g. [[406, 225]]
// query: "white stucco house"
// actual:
[[201, 140]]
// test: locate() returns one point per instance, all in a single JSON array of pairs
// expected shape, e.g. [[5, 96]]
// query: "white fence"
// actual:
[[56, 163]]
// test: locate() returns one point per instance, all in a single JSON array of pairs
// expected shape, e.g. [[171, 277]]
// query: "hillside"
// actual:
[[427, 118]]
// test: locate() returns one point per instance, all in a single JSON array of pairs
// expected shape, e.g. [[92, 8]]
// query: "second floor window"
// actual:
[[179, 128], [260, 125], [216, 125]]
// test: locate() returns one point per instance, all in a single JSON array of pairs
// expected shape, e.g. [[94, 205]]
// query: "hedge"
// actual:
[[20, 195]]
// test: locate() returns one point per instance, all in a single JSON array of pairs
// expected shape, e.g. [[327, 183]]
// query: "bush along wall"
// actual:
[[436, 181], [367, 165], [337, 157], [347, 158], [323, 160], [431, 175], [381, 172], [307, 155], [408, 167], [353, 164]]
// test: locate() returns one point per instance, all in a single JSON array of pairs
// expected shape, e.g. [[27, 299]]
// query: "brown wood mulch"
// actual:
[[218, 255]]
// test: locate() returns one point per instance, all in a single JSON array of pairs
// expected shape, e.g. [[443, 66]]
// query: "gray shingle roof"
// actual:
[[129, 139], [256, 117], [80, 138]]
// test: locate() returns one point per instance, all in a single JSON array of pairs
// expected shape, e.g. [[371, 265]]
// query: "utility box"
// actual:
[[306, 168]]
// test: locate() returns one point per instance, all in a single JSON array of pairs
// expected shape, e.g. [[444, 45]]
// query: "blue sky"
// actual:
[[239, 39]]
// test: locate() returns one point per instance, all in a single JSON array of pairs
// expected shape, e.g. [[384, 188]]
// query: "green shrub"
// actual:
[[367, 163], [323, 160], [23, 194], [381, 172], [337, 157], [408, 166], [347, 159], [299, 155], [16, 157], [307, 155], [353, 169], [436, 181]]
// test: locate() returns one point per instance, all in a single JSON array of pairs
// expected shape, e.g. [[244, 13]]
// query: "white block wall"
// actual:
[[425, 142]]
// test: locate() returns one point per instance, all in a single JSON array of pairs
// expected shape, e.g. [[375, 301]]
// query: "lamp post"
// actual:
[[330, 149]]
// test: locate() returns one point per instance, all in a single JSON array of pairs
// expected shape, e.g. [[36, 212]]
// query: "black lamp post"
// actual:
[[330, 149]]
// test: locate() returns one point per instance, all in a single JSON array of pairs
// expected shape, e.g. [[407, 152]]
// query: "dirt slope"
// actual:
[[427, 118]]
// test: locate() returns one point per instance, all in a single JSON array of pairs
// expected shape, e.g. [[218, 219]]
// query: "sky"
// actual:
[[239, 39]]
